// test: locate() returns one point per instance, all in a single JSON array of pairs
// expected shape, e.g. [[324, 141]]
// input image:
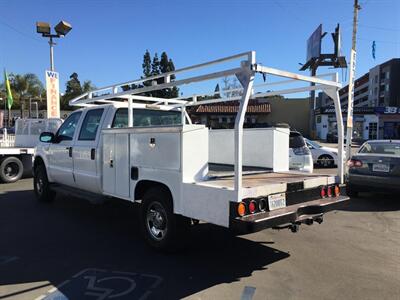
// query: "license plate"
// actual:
[[380, 168], [276, 201]]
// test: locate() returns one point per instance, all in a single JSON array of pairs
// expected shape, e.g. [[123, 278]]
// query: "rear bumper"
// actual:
[[298, 213], [366, 183]]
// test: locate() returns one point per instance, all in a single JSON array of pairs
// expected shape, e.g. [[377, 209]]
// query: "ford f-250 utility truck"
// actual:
[[123, 144]]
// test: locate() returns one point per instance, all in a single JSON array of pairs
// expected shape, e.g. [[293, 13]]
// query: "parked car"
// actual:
[[299, 154], [375, 168], [322, 156]]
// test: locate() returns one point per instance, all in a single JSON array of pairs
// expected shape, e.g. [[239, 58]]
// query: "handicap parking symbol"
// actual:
[[97, 284]]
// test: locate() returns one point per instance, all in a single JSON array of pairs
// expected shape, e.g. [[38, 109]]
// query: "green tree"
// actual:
[[25, 87], [146, 65], [74, 89]]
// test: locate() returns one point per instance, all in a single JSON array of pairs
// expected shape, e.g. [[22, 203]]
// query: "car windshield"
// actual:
[[381, 148], [313, 144]]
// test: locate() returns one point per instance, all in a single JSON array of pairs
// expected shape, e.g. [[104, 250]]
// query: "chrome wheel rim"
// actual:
[[325, 161], [156, 221]]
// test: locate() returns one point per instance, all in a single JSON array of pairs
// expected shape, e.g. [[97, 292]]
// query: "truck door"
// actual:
[[60, 152], [86, 152]]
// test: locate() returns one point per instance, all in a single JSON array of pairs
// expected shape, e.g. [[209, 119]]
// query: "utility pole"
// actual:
[[351, 82]]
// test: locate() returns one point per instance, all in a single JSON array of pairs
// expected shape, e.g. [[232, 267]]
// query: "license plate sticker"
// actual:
[[380, 168], [276, 201]]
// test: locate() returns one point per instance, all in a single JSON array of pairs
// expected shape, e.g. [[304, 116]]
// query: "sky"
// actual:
[[109, 37]]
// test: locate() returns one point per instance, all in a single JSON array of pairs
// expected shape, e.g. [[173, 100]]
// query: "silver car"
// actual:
[[375, 168]]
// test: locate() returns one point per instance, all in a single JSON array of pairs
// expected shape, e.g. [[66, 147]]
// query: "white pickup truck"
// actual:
[[16, 150], [145, 149]]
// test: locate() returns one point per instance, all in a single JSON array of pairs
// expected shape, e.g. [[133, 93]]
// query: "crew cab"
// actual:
[[140, 148]]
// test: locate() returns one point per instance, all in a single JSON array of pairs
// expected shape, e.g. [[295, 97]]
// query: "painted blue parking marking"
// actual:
[[248, 293]]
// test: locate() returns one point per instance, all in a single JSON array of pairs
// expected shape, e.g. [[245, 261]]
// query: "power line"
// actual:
[[19, 31], [380, 28]]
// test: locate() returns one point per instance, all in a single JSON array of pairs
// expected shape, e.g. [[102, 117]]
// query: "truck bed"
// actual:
[[254, 178]]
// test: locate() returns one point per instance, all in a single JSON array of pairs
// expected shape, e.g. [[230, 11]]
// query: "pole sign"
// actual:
[[314, 44], [53, 94]]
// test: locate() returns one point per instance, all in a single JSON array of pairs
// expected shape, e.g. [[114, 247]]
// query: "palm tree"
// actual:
[[26, 86]]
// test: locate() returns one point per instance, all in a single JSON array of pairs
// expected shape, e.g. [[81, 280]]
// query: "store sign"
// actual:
[[53, 94], [388, 110], [356, 110]]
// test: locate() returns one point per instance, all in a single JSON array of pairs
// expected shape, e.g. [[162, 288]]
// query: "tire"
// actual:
[[11, 169], [41, 185], [161, 228], [326, 161]]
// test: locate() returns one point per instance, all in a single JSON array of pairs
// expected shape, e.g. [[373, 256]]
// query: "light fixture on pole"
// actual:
[[61, 29]]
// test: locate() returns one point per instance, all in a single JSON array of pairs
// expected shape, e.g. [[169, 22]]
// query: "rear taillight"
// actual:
[[241, 209], [252, 206], [329, 191], [354, 163], [262, 204], [323, 192], [337, 191], [301, 151]]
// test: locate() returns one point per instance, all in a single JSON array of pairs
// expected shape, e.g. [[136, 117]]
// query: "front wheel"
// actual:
[[11, 169], [41, 185], [160, 226]]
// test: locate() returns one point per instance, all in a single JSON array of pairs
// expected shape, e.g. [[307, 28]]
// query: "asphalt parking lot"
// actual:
[[71, 249]]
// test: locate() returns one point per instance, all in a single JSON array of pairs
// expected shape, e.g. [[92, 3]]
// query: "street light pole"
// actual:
[[51, 43], [61, 29]]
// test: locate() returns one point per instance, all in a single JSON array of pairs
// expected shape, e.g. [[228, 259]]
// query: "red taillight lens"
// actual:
[[323, 192], [337, 191], [354, 163], [252, 206], [329, 191], [241, 209]]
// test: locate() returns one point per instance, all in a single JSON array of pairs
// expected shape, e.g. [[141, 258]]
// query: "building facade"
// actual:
[[376, 105]]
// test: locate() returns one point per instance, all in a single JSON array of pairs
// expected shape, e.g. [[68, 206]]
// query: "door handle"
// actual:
[[92, 154], [69, 151]]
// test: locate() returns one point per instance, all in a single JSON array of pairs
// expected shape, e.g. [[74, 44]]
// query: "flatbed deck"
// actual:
[[259, 182]]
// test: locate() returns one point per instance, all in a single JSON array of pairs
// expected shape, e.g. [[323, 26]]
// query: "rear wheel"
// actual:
[[11, 169], [41, 185], [161, 228], [325, 161]]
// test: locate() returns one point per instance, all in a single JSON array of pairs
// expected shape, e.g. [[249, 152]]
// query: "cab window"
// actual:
[[146, 117], [90, 125], [67, 129]]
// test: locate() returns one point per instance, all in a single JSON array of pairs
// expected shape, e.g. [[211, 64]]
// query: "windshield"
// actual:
[[381, 148], [313, 144]]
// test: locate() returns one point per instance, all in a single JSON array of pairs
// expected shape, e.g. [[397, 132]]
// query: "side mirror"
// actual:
[[47, 137]]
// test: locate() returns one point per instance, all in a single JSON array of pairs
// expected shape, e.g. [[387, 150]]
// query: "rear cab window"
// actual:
[[147, 117]]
